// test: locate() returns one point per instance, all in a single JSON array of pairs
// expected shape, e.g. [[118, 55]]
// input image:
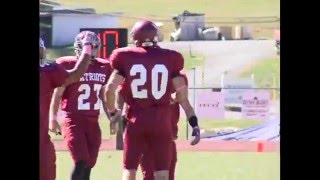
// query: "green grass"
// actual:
[[191, 166], [266, 73], [205, 124], [192, 61], [164, 10]]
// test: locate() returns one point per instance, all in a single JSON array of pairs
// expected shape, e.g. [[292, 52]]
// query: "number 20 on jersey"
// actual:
[[159, 70]]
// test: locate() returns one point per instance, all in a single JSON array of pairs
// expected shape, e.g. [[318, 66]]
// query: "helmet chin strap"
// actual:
[[150, 43], [147, 44]]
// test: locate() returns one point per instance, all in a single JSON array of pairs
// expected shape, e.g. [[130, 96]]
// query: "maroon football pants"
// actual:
[[83, 138], [147, 164], [47, 161], [157, 139]]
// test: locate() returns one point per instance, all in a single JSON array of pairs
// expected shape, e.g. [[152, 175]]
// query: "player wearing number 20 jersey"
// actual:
[[146, 161], [147, 74], [147, 89], [81, 103]]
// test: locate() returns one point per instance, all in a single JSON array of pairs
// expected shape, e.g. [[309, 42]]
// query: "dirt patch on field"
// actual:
[[211, 146]]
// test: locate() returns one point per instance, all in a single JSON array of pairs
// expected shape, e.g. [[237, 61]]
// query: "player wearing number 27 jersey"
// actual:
[[145, 72], [81, 102], [51, 76]]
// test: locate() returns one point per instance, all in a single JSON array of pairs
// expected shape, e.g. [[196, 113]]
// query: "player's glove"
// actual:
[[88, 37], [55, 127], [195, 136], [115, 117]]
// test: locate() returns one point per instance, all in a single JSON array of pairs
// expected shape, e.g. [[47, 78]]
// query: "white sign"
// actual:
[[210, 105], [256, 105]]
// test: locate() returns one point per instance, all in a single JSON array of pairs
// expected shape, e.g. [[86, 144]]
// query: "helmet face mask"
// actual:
[[96, 45], [94, 53]]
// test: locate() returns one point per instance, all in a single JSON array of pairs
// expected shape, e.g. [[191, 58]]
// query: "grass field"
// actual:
[[191, 166], [163, 11]]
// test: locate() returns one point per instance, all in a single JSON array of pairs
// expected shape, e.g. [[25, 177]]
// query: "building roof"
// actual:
[[68, 11], [49, 14]]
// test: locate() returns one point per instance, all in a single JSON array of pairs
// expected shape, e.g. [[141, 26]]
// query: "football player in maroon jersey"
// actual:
[[148, 75], [53, 75], [146, 161], [80, 102]]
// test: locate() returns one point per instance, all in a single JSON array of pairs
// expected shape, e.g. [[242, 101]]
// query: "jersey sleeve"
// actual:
[[65, 64], [108, 72], [183, 74], [116, 63], [58, 75], [178, 63]]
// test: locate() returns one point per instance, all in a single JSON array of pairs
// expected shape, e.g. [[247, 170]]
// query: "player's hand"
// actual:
[[115, 118], [113, 128], [54, 127], [195, 137], [108, 116], [89, 38]]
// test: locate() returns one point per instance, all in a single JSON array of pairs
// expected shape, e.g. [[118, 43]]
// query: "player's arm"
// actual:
[[54, 108], [117, 77], [84, 60], [103, 100], [110, 92], [55, 102], [119, 101], [181, 88], [113, 121], [80, 68], [182, 98]]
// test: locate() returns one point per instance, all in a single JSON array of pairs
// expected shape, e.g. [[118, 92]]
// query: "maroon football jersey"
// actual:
[[52, 75], [82, 97], [148, 73]]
